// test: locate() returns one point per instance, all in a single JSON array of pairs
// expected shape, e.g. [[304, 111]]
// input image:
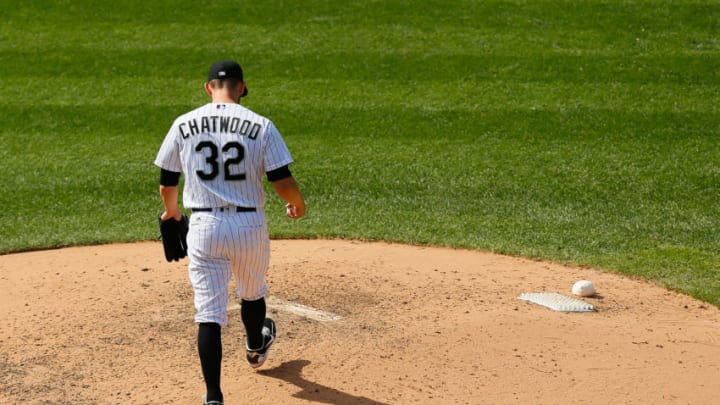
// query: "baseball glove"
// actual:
[[174, 237]]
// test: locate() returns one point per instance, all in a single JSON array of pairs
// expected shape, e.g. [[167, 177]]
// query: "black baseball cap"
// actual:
[[226, 69]]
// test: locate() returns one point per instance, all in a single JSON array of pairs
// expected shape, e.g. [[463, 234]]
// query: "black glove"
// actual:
[[174, 237]]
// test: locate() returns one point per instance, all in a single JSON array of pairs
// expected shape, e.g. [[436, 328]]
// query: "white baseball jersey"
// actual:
[[224, 150]]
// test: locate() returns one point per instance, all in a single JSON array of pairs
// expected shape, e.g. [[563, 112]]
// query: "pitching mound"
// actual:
[[359, 323]]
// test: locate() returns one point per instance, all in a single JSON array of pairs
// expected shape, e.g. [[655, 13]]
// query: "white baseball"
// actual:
[[583, 288]]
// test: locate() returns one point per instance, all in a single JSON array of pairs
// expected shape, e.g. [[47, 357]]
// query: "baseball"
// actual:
[[583, 288]]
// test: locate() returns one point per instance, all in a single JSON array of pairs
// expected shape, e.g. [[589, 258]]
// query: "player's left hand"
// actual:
[[177, 215]]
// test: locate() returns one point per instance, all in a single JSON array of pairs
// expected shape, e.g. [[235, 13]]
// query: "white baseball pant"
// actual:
[[221, 246]]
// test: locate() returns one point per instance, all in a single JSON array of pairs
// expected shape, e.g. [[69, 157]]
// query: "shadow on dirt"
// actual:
[[290, 371]]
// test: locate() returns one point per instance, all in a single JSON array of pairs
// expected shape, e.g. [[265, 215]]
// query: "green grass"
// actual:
[[583, 132]]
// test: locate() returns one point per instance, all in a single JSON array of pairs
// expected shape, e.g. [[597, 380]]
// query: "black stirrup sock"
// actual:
[[210, 351], [253, 317]]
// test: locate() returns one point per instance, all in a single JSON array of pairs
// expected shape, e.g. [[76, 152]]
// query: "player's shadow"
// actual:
[[291, 371]]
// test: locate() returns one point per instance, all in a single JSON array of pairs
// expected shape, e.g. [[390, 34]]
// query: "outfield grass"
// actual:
[[582, 132]]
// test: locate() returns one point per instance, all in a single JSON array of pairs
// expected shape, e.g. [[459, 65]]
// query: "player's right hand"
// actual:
[[294, 211]]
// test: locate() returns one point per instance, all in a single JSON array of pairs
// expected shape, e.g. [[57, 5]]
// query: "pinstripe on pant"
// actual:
[[222, 245]]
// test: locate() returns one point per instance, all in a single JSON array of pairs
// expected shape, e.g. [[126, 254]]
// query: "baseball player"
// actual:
[[224, 150]]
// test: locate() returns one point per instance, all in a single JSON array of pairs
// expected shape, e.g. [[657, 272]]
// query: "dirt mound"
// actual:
[[361, 323]]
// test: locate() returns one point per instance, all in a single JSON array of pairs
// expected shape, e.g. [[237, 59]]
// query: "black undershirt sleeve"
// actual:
[[168, 178], [279, 173]]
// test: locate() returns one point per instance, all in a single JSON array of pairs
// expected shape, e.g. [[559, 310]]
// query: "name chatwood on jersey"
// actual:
[[216, 123]]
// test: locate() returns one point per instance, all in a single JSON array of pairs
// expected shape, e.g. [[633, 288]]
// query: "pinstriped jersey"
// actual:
[[224, 151]]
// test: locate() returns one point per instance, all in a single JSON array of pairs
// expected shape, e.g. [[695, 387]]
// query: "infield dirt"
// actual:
[[113, 324]]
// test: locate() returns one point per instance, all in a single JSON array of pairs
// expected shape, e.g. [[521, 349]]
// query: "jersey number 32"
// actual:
[[230, 166]]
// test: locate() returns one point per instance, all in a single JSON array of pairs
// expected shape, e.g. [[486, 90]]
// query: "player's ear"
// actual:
[[208, 89]]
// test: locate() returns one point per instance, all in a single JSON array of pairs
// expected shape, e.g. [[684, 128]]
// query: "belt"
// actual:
[[223, 209]]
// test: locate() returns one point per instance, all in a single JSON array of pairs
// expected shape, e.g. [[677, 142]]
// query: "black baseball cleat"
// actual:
[[256, 357]]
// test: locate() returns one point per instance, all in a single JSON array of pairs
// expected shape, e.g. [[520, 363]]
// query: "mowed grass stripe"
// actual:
[[516, 14], [94, 124], [399, 37], [700, 69], [432, 95]]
